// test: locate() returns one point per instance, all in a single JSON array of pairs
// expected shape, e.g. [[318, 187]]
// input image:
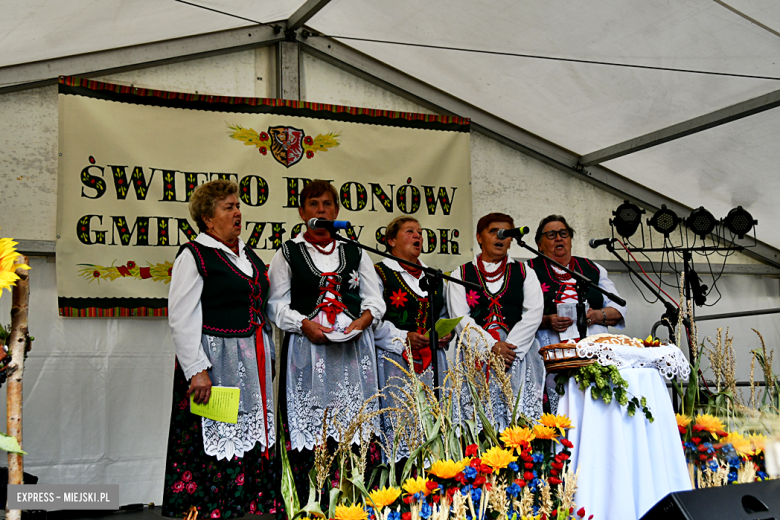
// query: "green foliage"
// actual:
[[605, 383]]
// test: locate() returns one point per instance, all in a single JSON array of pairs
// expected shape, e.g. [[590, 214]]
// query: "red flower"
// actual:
[[471, 450], [566, 442], [545, 287], [472, 298], [183, 404], [308, 140], [96, 274], [252, 507], [528, 475], [178, 486], [703, 457], [216, 514], [262, 150], [431, 485], [557, 465], [554, 481], [131, 264], [436, 499], [682, 429], [721, 433], [399, 298], [487, 470], [529, 465], [695, 440], [701, 447], [488, 486], [263, 136], [309, 154], [191, 487], [187, 476], [581, 512], [240, 479], [562, 456], [520, 482], [479, 481], [476, 462], [170, 270], [406, 516], [696, 428], [554, 472]]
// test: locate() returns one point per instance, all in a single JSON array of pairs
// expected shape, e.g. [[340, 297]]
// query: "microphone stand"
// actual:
[[429, 284], [582, 284]]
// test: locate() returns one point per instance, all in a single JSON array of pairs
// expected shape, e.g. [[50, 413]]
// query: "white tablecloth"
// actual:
[[627, 464]]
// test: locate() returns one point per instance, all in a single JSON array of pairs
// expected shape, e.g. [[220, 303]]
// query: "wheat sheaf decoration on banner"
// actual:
[[160, 272], [288, 145]]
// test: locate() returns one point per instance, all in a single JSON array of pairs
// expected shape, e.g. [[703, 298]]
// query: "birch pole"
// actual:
[[17, 343]]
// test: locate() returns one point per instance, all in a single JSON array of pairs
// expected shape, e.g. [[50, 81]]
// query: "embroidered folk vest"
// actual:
[[553, 289], [233, 303], [505, 307], [405, 309], [310, 286]]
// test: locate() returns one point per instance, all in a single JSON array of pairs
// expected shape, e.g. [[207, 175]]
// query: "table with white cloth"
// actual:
[[626, 464]]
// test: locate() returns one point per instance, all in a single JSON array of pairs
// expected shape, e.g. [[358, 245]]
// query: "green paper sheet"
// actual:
[[222, 405], [445, 326]]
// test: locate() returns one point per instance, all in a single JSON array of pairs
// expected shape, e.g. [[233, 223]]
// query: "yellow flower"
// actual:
[[741, 445], [417, 485], [517, 437], [682, 420], [448, 468], [710, 423], [759, 441], [8, 254], [385, 496], [556, 421], [355, 512], [498, 458], [545, 432]]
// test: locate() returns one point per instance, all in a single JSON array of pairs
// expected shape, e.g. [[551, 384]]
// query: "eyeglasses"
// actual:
[[563, 233]]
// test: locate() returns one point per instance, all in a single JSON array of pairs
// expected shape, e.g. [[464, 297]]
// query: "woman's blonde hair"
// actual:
[[204, 199]]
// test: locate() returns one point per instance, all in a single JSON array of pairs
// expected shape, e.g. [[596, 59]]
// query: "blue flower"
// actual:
[[418, 495], [513, 466], [470, 472], [713, 465], [690, 445], [762, 475], [732, 476], [476, 494], [394, 515], [513, 490], [465, 490], [425, 510], [538, 457]]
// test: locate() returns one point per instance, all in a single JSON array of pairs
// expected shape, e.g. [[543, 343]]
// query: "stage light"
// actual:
[[739, 222], [627, 219], [701, 222], [664, 221]]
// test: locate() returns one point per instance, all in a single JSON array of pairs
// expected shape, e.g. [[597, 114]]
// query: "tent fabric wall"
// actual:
[[97, 391]]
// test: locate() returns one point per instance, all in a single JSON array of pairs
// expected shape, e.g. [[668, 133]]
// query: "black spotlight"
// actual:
[[664, 221], [627, 219], [739, 222], [701, 222]]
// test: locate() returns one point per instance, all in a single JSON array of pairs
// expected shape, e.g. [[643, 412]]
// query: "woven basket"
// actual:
[[562, 356]]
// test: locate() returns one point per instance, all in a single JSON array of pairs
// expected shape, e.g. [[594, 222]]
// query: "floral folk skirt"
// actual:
[[218, 488]]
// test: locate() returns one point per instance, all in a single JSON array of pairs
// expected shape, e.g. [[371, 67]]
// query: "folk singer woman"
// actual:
[[216, 313]]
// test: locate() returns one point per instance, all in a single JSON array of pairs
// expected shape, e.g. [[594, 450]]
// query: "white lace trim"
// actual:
[[197, 367], [225, 440], [668, 359]]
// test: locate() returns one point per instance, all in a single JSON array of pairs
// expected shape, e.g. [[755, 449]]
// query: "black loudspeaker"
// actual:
[[754, 501]]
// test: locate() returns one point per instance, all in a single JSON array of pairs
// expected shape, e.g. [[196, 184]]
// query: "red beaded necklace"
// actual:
[[562, 277], [493, 276], [414, 271], [320, 244], [233, 246]]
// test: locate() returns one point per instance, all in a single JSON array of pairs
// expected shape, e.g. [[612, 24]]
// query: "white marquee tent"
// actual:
[[578, 103]]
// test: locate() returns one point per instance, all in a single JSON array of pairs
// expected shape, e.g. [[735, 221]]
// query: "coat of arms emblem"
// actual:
[[286, 144]]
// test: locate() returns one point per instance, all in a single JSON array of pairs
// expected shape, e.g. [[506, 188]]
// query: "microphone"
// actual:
[[330, 225], [594, 243], [513, 233]]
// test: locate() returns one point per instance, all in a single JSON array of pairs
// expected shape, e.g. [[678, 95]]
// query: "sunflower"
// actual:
[[517, 437], [682, 420], [545, 432], [498, 458], [8, 255], [710, 423], [758, 440], [741, 445], [355, 512], [561, 422], [448, 468], [417, 485], [385, 496]]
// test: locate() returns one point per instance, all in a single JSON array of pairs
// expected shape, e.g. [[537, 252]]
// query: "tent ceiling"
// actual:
[[582, 107]]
